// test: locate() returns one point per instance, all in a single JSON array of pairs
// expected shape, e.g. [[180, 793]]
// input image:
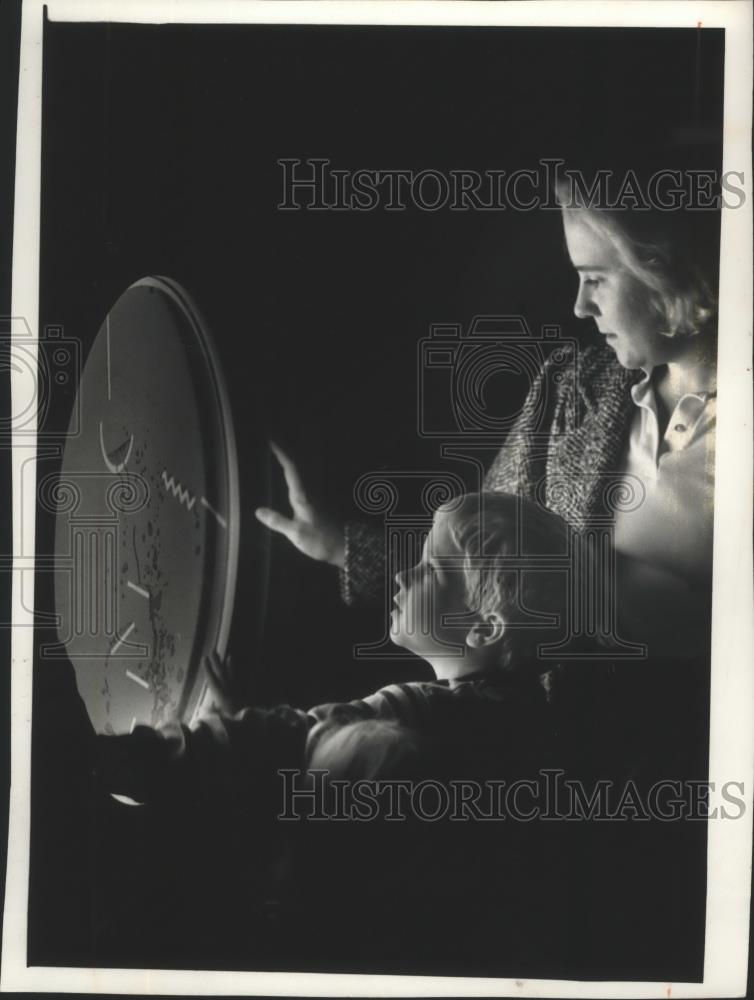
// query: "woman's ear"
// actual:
[[486, 631]]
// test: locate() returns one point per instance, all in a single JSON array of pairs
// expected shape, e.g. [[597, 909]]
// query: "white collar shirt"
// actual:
[[667, 529]]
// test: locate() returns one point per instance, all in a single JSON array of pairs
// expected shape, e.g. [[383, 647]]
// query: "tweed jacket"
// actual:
[[563, 450]]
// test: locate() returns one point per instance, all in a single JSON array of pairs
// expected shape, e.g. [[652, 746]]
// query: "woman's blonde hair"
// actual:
[[667, 252]]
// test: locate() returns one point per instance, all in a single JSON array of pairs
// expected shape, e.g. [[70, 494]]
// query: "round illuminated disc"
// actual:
[[147, 513]]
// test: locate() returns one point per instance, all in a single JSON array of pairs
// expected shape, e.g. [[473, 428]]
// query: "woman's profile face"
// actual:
[[618, 303]]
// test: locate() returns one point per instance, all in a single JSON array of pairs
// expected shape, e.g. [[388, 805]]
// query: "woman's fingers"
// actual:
[[300, 533], [312, 530], [296, 491], [276, 522]]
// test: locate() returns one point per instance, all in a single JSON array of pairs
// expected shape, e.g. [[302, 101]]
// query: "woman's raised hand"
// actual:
[[313, 531]]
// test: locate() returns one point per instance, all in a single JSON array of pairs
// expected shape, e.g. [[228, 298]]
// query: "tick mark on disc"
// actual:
[[220, 519], [137, 589], [137, 680], [123, 638]]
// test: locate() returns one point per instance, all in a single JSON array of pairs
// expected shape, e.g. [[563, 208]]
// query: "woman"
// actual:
[[642, 447], [630, 432]]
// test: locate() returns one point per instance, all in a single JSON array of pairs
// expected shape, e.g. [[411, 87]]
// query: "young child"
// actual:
[[489, 589]]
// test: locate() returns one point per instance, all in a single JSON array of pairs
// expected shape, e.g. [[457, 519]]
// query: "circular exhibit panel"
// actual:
[[147, 514]]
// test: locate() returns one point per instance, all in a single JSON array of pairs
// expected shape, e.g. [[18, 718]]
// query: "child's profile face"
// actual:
[[429, 594]]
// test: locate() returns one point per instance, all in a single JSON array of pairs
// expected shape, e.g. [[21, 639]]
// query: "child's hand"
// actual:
[[311, 530], [224, 683]]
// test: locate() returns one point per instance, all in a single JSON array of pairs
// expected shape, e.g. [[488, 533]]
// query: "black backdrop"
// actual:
[[159, 157]]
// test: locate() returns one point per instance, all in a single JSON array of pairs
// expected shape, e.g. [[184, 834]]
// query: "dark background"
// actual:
[[159, 157]]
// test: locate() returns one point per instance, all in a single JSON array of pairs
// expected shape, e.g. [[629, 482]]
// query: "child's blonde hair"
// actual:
[[516, 562]]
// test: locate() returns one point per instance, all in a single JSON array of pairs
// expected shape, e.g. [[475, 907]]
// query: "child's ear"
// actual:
[[486, 631]]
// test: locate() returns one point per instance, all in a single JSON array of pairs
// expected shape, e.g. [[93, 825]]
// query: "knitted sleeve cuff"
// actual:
[[362, 579]]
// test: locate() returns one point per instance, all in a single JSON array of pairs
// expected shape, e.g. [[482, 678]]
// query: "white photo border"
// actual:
[[732, 681]]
